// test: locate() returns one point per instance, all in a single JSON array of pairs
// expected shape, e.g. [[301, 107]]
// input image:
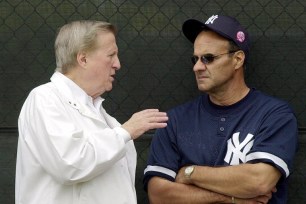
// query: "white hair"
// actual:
[[75, 37]]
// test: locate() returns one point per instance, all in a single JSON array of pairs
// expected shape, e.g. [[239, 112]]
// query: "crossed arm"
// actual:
[[248, 183]]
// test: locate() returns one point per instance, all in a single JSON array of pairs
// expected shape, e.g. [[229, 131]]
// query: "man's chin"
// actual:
[[203, 88], [109, 88]]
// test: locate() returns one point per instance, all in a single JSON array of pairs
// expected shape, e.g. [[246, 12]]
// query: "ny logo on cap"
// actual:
[[211, 19]]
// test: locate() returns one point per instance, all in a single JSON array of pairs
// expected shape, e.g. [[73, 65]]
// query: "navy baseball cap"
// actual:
[[226, 26]]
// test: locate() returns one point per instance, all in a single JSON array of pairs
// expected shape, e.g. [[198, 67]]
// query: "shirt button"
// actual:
[[222, 119], [221, 129]]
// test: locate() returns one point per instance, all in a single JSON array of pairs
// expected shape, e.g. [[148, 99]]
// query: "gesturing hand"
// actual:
[[145, 120]]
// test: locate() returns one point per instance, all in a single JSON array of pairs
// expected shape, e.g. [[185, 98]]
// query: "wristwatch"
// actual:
[[188, 171]]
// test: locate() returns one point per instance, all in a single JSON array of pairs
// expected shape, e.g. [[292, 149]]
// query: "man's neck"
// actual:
[[229, 97]]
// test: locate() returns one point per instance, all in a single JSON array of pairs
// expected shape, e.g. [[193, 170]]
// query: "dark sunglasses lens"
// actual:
[[207, 59], [194, 59]]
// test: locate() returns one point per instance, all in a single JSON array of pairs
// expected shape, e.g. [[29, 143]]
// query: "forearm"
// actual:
[[243, 181], [162, 191]]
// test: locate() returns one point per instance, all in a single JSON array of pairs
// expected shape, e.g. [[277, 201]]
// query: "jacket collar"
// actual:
[[74, 96]]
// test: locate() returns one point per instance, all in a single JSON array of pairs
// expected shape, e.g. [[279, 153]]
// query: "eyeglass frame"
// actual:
[[204, 60]]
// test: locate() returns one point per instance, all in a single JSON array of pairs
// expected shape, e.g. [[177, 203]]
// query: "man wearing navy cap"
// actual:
[[232, 144]]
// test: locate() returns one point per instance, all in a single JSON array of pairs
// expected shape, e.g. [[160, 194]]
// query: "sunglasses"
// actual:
[[208, 58]]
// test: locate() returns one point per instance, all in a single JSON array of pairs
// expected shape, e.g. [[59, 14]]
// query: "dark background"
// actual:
[[155, 57]]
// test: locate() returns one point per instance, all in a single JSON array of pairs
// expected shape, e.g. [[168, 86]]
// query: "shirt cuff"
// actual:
[[123, 133]]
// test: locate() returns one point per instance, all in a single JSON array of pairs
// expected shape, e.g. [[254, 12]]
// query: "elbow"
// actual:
[[262, 185], [66, 179], [67, 182], [264, 180], [155, 195], [158, 191], [261, 188], [71, 175], [154, 198]]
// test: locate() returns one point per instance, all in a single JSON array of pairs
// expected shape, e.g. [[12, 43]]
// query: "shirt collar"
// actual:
[[77, 92]]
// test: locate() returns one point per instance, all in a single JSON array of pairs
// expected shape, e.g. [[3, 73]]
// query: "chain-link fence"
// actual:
[[155, 56]]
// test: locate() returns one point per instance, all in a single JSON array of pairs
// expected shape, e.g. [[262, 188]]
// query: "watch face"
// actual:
[[189, 169]]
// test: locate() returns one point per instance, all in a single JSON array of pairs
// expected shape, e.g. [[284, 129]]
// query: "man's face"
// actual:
[[102, 64], [216, 76]]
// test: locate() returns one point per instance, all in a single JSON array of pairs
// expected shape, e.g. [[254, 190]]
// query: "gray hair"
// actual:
[[75, 37]]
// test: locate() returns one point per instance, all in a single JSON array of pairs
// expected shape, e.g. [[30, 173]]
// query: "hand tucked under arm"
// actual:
[[263, 199], [243, 181]]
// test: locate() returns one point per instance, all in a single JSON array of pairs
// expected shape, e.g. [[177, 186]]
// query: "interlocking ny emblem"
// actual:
[[237, 151], [211, 19]]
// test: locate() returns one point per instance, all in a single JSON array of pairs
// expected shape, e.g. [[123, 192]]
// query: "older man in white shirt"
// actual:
[[70, 150]]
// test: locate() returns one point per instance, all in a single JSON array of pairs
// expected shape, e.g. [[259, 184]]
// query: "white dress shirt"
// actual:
[[70, 151]]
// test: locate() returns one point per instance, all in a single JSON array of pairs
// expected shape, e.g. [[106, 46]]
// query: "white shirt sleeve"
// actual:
[[125, 134]]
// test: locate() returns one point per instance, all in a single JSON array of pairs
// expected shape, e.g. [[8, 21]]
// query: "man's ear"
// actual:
[[81, 59], [239, 57]]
